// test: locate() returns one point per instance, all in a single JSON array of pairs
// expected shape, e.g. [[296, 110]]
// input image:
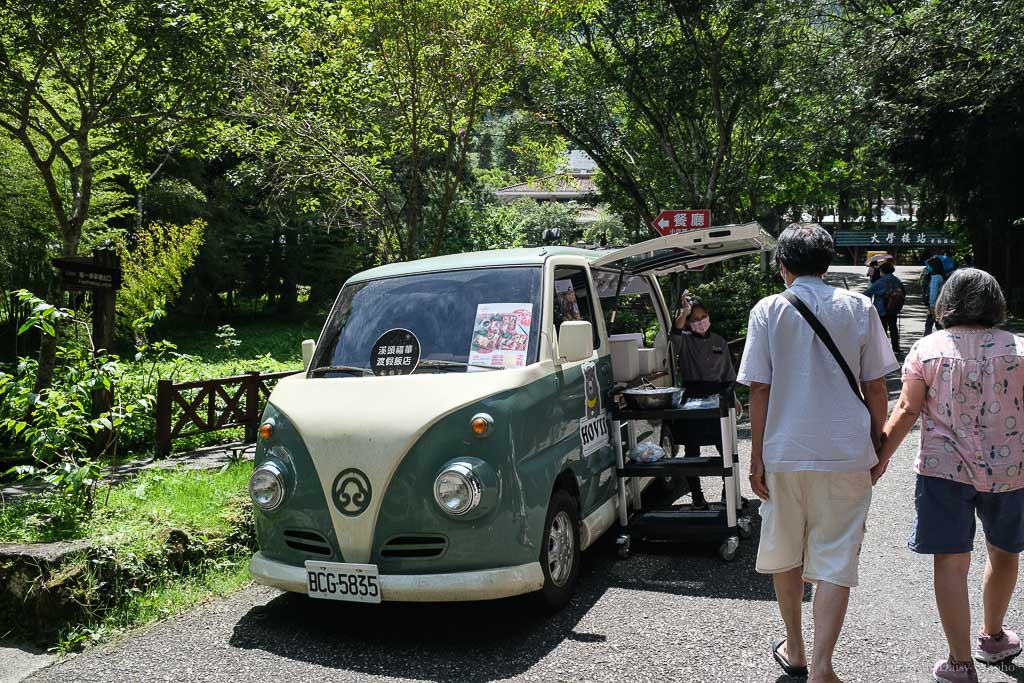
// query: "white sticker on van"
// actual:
[[594, 433]]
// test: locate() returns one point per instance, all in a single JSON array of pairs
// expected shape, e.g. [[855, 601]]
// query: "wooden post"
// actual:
[[103, 300], [164, 388], [252, 406]]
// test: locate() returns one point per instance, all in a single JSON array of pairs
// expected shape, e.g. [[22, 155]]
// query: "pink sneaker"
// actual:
[[996, 649], [948, 671]]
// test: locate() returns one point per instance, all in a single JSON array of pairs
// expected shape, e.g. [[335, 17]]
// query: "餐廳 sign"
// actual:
[[890, 238], [671, 221]]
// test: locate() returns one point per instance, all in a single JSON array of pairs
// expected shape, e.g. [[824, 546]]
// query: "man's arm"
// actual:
[[759, 394], [876, 394]]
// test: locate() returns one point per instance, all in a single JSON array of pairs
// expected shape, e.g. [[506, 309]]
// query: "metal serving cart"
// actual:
[[725, 522]]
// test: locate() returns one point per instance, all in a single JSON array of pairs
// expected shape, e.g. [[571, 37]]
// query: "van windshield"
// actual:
[[463, 320]]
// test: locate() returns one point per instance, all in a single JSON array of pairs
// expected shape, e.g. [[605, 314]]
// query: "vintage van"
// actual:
[[448, 439]]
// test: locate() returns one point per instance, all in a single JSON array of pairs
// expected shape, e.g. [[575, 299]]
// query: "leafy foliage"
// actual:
[[154, 268], [56, 426]]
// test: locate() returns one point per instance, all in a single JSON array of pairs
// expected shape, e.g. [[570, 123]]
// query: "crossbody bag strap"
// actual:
[[826, 339]]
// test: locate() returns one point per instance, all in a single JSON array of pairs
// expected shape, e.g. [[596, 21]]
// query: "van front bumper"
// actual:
[[484, 584]]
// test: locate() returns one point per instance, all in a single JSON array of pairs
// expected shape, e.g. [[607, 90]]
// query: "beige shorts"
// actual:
[[815, 520]]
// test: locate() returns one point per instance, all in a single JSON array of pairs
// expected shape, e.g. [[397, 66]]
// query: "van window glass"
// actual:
[[443, 310], [573, 300], [637, 311]]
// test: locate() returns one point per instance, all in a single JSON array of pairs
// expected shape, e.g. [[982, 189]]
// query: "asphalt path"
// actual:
[[668, 613]]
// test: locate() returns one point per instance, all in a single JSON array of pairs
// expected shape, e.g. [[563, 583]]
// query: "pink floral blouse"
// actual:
[[973, 417]]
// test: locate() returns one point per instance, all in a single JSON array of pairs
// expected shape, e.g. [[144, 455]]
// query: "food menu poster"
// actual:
[[501, 335]]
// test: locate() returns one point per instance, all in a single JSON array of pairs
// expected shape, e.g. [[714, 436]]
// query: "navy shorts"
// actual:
[[945, 524]]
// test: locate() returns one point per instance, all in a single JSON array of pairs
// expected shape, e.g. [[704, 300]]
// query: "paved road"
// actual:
[[674, 614]]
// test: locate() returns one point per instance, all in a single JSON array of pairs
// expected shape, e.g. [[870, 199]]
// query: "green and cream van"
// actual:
[[449, 438]]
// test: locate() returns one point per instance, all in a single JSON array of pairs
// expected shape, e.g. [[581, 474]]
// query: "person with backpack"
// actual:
[[888, 295], [937, 267]]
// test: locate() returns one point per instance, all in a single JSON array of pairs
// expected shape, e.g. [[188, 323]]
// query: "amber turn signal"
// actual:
[[481, 425], [266, 430]]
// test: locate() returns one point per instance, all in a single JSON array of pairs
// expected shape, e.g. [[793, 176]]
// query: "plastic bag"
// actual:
[[647, 451]]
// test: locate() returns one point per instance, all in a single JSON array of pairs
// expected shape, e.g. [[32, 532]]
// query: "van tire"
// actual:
[[561, 526]]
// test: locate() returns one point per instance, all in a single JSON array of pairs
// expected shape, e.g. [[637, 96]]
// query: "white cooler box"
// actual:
[[625, 357]]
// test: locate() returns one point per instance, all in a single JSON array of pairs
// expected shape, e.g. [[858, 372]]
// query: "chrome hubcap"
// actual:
[[561, 548]]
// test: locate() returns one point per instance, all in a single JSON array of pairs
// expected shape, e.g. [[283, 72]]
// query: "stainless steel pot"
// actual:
[[651, 398]]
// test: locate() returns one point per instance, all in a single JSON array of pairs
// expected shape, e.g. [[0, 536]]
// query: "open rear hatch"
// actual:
[[687, 250]]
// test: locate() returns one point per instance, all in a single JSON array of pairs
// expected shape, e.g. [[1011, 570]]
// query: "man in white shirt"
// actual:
[[813, 441]]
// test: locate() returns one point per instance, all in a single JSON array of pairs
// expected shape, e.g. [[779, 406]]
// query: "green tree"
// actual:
[[85, 83], [945, 86], [154, 268], [674, 100], [387, 145]]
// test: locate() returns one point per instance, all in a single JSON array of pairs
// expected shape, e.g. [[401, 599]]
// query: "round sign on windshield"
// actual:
[[396, 352]]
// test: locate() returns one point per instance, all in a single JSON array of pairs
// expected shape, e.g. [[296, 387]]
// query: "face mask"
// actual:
[[701, 326]]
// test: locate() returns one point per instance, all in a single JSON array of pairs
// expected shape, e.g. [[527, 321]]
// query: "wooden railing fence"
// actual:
[[209, 405]]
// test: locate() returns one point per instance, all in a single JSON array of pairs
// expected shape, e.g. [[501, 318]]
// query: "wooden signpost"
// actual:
[[101, 275]]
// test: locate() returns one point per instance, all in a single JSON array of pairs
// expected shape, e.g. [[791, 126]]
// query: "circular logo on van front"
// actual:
[[351, 492]]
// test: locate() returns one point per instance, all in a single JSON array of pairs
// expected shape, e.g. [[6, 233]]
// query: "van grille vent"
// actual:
[[420, 547], [307, 542]]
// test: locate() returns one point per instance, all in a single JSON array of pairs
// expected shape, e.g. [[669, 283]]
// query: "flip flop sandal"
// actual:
[[784, 663]]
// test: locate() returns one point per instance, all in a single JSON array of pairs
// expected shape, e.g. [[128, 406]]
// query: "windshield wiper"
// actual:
[[340, 368], [455, 364]]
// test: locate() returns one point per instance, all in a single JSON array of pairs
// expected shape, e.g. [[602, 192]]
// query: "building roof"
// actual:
[[578, 161], [476, 259], [557, 186]]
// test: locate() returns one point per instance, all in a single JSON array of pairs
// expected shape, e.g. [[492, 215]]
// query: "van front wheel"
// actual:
[[560, 552]]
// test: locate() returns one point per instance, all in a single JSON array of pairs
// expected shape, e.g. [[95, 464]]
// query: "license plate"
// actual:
[[343, 581]]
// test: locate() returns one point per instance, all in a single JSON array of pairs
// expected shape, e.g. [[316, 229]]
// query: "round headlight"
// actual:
[[266, 486], [457, 490]]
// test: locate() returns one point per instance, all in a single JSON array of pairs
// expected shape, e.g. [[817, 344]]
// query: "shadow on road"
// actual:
[[486, 641]]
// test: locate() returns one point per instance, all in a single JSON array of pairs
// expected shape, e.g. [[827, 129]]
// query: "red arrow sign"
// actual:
[[671, 221]]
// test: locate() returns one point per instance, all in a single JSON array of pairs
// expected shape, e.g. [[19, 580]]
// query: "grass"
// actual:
[[160, 601], [134, 514], [142, 576]]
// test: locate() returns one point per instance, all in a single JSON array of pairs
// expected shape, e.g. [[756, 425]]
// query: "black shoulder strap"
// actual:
[[826, 339]]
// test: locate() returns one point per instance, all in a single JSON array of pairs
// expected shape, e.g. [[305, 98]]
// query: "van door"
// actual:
[[687, 250], [585, 390]]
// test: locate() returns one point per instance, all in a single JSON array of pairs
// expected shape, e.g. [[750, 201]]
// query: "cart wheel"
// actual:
[[745, 528], [727, 551], [623, 546]]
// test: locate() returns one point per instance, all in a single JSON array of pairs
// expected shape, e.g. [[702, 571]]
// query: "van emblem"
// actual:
[[351, 492]]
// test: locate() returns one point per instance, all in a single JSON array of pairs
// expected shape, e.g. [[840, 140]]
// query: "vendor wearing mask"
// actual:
[[705, 366]]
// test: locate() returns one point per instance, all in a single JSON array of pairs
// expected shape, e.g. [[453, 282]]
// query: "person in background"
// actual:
[[965, 382], [705, 365], [813, 442], [937, 272], [888, 294], [874, 272]]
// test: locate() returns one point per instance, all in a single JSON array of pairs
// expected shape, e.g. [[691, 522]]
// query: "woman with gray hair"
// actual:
[[967, 383]]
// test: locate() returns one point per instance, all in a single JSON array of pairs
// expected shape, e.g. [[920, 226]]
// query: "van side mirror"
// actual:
[[308, 347], [575, 341]]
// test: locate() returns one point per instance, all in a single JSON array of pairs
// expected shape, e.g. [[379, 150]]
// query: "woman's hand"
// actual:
[[684, 310]]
